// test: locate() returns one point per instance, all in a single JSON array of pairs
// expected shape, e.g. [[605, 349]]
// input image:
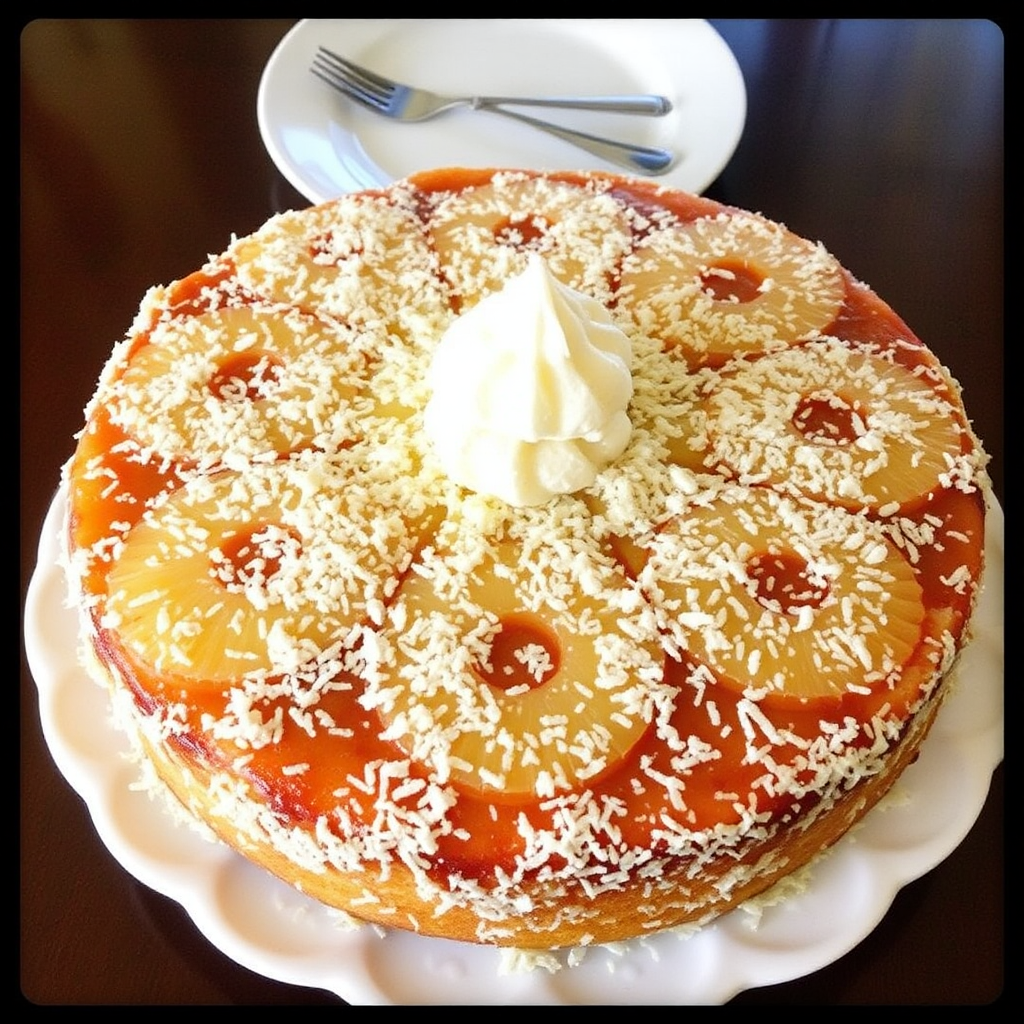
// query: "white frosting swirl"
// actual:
[[530, 389]]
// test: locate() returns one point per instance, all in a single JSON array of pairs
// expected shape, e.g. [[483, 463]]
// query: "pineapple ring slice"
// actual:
[[834, 424], [785, 597], [510, 693], [364, 260], [728, 285], [247, 380], [258, 573], [483, 237]]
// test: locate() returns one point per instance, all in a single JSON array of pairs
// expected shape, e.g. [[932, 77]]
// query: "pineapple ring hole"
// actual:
[[521, 232], [828, 418], [732, 280], [246, 375], [253, 555], [525, 652], [782, 581]]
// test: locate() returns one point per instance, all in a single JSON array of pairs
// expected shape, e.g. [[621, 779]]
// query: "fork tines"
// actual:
[[341, 73]]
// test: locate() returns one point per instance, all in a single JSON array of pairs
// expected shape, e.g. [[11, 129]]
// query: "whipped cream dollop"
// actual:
[[529, 391]]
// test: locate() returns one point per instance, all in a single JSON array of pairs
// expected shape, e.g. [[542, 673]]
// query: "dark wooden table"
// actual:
[[140, 154]]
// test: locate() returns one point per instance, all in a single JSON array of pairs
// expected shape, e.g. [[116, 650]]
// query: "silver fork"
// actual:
[[409, 104], [405, 103]]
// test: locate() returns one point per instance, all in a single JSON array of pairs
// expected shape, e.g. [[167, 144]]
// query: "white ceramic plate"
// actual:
[[273, 930], [326, 145]]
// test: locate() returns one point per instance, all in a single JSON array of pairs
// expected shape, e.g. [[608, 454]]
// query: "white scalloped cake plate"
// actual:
[[270, 928], [325, 145]]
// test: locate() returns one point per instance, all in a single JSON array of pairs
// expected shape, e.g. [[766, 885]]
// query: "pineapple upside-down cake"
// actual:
[[528, 559]]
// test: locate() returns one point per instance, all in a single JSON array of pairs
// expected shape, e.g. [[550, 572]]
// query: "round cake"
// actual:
[[527, 559]]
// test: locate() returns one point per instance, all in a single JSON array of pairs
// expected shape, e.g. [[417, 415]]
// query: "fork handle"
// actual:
[[654, 106], [642, 159]]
